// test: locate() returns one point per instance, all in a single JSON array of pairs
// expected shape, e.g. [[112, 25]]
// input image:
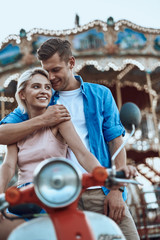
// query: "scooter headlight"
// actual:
[[57, 182]]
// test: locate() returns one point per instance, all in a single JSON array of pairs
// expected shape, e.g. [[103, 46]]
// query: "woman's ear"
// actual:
[[22, 95]]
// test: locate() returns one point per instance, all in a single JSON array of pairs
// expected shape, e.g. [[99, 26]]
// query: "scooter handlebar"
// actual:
[[120, 174], [101, 173], [3, 203]]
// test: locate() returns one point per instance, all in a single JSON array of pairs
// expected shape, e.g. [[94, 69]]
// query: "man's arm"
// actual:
[[114, 205], [11, 133], [120, 160]]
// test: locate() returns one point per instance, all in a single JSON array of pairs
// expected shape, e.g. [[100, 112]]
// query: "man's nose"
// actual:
[[51, 76]]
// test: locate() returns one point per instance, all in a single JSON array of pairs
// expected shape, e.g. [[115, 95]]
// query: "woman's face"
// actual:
[[37, 93]]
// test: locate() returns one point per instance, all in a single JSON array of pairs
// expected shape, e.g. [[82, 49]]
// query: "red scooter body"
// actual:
[[63, 222]]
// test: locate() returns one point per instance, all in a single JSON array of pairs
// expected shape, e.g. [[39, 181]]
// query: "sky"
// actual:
[[60, 14]]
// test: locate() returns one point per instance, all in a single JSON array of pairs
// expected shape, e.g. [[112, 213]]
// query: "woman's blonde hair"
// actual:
[[22, 82]]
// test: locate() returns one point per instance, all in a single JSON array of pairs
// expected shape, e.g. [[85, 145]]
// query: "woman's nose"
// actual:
[[43, 90]]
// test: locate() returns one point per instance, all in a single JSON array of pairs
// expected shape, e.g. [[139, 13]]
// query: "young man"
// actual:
[[96, 118]]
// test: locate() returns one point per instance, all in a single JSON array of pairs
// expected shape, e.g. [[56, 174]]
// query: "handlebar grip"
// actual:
[[120, 174]]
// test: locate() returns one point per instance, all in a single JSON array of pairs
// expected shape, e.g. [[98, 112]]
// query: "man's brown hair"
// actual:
[[52, 46]]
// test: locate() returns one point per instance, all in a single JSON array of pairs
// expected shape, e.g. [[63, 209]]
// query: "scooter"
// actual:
[[57, 187]]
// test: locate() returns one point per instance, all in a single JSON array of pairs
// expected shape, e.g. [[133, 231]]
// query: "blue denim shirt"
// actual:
[[102, 119]]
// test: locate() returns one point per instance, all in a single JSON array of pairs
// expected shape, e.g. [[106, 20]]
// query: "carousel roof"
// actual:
[[113, 45], [124, 48]]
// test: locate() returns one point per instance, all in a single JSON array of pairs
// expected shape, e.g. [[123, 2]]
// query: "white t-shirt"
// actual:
[[73, 101]]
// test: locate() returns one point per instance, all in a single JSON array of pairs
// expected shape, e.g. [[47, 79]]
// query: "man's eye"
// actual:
[[55, 69]]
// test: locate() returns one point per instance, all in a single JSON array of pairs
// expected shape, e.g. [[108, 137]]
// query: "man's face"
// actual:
[[60, 72]]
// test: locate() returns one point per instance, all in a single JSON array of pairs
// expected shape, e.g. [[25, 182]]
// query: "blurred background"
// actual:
[[116, 44]]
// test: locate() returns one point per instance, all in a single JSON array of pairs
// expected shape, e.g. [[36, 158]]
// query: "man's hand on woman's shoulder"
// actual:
[[54, 115]]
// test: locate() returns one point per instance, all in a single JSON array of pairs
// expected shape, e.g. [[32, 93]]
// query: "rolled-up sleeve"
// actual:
[[112, 126], [14, 117]]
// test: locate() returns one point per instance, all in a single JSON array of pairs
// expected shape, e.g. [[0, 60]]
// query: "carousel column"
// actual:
[[153, 106], [2, 104], [118, 93], [118, 83]]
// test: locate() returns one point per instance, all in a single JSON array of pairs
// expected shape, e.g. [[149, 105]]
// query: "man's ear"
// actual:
[[71, 62]]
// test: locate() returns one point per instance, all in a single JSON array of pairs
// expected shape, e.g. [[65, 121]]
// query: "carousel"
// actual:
[[123, 57]]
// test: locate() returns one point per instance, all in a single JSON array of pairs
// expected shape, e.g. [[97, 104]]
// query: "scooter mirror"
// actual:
[[130, 115]]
